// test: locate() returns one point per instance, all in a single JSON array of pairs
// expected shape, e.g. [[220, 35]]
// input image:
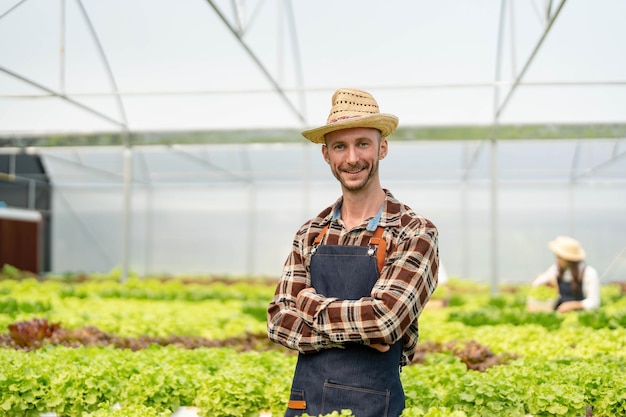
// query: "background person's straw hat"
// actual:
[[567, 248], [353, 108]]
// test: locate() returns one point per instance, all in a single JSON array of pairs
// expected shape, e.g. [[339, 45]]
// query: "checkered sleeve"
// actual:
[[285, 324], [308, 322], [407, 282]]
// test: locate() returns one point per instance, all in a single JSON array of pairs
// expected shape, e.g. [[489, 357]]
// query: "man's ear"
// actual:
[[325, 153], [383, 148]]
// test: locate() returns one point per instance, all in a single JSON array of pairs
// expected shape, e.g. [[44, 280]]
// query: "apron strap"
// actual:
[[381, 250], [320, 235], [377, 240]]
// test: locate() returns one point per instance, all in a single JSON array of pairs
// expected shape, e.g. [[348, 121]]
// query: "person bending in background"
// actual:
[[357, 278], [577, 283]]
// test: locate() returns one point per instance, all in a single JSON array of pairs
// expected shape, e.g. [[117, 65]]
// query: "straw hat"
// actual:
[[567, 248], [353, 108]]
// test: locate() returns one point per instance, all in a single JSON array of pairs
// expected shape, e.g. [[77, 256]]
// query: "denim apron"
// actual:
[[358, 378], [567, 292]]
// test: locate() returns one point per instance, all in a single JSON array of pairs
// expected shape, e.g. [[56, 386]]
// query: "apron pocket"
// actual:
[[363, 402]]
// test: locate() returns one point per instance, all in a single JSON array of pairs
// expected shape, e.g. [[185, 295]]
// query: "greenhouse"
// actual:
[[153, 176], [233, 209]]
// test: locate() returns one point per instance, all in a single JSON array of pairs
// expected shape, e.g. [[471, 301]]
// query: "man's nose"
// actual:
[[353, 155]]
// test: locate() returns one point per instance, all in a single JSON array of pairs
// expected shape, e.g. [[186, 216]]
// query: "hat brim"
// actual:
[[568, 256], [386, 123]]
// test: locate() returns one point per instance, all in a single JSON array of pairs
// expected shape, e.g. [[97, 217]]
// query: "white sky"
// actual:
[[393, 48]]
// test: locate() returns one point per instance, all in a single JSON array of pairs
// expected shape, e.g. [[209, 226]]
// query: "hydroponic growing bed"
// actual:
[[91, 346]]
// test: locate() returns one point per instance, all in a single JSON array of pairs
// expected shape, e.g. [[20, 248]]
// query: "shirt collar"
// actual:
[[386, 216]]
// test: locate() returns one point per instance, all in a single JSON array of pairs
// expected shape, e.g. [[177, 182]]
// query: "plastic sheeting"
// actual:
[[154, 65], [233, 209]]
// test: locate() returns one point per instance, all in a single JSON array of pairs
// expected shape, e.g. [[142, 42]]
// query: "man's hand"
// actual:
[[381, 347]]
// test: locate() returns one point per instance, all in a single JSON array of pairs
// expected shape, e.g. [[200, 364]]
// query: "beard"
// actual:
[[354, 185]]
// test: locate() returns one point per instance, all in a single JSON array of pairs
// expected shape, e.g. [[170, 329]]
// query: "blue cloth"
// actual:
[[358, 378]]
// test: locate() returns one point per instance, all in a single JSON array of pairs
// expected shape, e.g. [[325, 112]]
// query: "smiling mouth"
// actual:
[[354, 171]]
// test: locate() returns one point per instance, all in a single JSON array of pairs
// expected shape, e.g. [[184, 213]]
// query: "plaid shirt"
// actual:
[[310, 322]]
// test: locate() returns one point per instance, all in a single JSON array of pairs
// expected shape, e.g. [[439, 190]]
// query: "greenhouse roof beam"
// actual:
[[61, 96], [257, 61], [549, 23]]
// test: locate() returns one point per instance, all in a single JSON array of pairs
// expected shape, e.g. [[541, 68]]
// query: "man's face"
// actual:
[[353, 156]]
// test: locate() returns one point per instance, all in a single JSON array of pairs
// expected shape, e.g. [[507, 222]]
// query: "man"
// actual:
[[357, 278]]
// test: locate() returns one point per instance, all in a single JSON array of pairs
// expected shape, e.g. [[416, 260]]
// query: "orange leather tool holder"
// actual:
[[296, 405]]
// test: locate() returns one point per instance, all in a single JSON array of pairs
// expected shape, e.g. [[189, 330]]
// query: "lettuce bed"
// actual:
[[147, 347]]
